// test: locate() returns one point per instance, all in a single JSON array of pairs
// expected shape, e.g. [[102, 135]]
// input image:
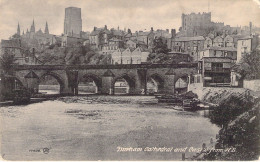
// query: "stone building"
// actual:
[[200, 24], [208, 42], [70, 41], [244, 46], [113, 45], [190, 45], [21, 55], [37, 39], [99, 37], [195, 24], [129, 56], [224, 52], [215, 71], [218, 42], [72, 21], [135, 44]]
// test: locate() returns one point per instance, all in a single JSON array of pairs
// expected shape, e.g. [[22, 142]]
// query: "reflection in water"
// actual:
[[92, 128]]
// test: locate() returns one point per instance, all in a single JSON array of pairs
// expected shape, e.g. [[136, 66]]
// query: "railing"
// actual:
[[120, 66], [217, 69], [218, 84]]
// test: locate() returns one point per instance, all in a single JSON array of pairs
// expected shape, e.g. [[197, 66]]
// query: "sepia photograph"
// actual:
[[129, 80]]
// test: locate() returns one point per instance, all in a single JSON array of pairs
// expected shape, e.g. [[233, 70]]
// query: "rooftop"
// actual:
[[222, 49], [186, 39], [10, 43]]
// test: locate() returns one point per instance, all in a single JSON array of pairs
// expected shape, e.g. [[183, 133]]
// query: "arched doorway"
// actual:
[[50, 83], [155, 84], [123, 85], [181, 84], [89, 84]]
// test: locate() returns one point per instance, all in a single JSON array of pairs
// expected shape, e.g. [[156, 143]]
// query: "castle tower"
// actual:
[[32, 28], [18, 29], [46, 31], [72, 21]]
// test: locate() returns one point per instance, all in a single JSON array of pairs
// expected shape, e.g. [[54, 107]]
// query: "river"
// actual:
[[92, 128]]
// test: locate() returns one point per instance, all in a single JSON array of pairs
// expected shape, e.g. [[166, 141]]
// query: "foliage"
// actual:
[[80, 55], [242, 134], [15, 36], [229, 109], [160, 46], [6, 62], [249, 67]]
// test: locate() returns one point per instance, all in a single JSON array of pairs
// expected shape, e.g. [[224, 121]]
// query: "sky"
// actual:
[[133, 14]]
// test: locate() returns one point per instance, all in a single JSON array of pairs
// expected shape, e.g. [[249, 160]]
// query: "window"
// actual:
[[215, 66], [225, 53]]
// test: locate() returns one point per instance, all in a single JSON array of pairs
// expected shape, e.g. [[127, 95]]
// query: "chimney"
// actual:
[[95, 28], [152, 29], [105, 26], [173, 32]]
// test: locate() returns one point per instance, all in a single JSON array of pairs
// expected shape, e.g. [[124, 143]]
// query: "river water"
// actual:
[[92, 128]]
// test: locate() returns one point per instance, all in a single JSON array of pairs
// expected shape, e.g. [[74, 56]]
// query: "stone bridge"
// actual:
[[105, 76]]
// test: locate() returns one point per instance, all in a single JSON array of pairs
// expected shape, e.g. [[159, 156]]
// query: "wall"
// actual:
[[243, 46], [196, 88], [215, 94], [253, 85]]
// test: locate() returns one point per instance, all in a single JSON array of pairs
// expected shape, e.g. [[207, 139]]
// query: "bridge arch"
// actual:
[[56, 76], [158, 82], [18, 84], [181, 83], [130, 81], [96, 79]]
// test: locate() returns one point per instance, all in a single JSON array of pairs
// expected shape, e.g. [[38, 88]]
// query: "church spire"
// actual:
[[32, 27], [18, 29], [46, 31]]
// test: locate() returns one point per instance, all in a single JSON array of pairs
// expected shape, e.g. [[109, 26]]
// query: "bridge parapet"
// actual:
[[84, 67], [135, 74]]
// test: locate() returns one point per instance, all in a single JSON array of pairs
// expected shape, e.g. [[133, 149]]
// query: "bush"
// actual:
[[229, 109]]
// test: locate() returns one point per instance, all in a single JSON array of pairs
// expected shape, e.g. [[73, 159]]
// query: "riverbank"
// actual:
[[107, 99], [238, 117]]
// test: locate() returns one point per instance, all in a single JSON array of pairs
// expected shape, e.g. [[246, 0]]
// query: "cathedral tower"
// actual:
[[32, 28], [18, 29], [73, 21], [46, 31]]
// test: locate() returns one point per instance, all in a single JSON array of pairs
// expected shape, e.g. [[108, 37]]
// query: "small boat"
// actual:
[[169, 99], [191, 104]]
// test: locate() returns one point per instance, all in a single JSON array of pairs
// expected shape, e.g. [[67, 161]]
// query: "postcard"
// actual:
[[122, 80]]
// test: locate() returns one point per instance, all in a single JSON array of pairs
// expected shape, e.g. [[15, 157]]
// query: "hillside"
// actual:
[[72, 56]]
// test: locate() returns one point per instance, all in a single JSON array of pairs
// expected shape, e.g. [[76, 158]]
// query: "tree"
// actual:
[[248, 67], [15, 36], [160, 46], [229, 109], [6, 62]]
